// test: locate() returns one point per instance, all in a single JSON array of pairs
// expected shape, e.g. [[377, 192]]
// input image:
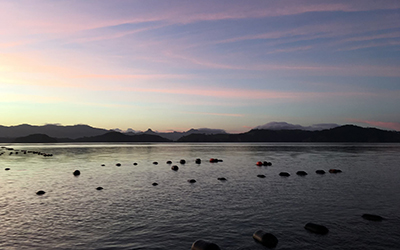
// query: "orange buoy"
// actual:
[[259, 163]]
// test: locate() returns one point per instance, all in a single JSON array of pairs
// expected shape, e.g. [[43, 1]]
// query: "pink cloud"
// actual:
[[137, 76], [216, 114]]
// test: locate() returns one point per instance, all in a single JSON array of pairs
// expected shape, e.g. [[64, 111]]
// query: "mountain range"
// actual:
[[270, 132]]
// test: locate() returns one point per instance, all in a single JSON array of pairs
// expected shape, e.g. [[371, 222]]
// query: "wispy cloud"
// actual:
[[216, 114]]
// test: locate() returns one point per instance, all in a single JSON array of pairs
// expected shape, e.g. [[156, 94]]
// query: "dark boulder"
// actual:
[[192, 181], [204, 245], [41, 192], [261, 176], [266, 239], [285, 174], [320, 171], [315, 228], [372, 217], [99, 188], [76, 172], [301, 173]]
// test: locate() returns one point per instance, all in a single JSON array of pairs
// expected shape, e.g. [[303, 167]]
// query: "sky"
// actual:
[[175, 65]]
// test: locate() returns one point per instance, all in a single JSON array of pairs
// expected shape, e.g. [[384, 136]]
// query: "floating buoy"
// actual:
[[182, 161], [41, 192], [155, 184], [198, 161], [334, 171], [99, 188], [214, 160], [7, 169], [315, 228], [266, 239], [175, 168], [222, 179], [204, 245], [118, 164], [155, 163], [261, 176], [169, 162], [77, 172], [301, 173], [372, 217], [320, 171], [259, 163], [285, 174], [192, 181]]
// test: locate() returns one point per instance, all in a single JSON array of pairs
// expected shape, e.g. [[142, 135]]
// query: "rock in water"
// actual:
[[41, 192], [372, 217], [266, 239], [77, 172], [204, 245], [315, 228]]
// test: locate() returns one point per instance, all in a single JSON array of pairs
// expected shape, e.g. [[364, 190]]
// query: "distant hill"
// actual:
[[120, 137], [174, 136], [56, 131], [346, 133], [278, 132], [36, 138]]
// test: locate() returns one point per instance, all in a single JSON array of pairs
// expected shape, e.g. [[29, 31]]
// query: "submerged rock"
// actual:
[[320, 171], [155, 184], [372, 217], [192, 181], [118, 164], [76, 172], [315, 228], [41, 192], [261, 176], [265, 239], [301, 173], [204, 245], [222, 179], [99, 188], [285, 174]]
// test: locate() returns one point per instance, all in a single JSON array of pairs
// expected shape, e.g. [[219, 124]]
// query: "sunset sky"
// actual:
[[176, 65]]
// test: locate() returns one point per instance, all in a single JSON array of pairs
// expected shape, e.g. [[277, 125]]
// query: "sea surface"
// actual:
[[131, 213]]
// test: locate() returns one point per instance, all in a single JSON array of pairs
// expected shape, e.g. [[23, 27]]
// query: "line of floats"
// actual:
[[264, 238], [17, 151]]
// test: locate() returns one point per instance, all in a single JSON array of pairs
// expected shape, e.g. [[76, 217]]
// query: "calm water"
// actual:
[[130, 213]]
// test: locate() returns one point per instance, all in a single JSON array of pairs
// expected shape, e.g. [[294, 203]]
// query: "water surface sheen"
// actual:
[[130, 213]]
